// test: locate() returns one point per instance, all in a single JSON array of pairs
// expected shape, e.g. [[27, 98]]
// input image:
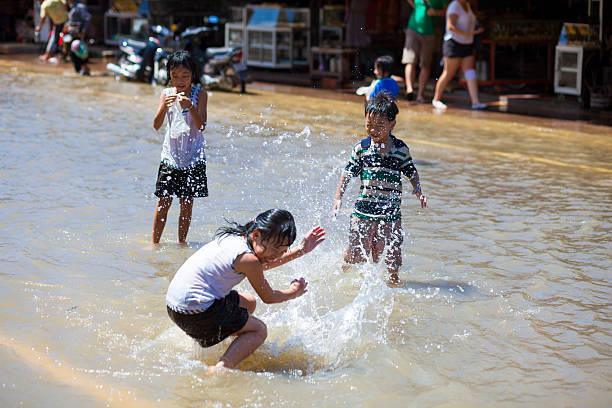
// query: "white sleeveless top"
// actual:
[[466, 21], [187, 149], [207, 275]]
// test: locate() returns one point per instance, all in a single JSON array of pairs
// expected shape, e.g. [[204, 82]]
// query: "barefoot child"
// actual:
[[379, 160], [200, 298], [182, 171]]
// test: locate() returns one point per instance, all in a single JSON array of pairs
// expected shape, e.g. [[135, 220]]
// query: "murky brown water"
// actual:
[[509, 294]]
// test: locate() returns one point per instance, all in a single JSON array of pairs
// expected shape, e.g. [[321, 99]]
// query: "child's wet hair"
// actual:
[[382, 104], [275, 225], [385, 63], [182, 58]]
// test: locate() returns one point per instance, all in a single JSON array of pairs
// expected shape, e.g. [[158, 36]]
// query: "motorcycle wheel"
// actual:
[[161, 76]]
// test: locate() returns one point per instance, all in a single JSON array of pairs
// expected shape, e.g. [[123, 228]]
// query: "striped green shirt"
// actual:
[[381, 179]]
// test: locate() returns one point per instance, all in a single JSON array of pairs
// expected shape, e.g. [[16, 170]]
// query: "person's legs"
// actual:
[[388, 237], [184, 218], [50, 41], [427, 48], [423, 77], [359, 245], [467, 66], [247, 301], [451, 65], [250, 337], [393, 258], [52, 47], [410, 73], [160, 217], [409, 57], [76, 62]]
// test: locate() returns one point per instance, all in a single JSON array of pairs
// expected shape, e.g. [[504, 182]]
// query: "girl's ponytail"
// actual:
[[277, 225]]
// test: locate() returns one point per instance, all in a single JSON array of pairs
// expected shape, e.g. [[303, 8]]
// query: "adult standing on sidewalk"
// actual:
[[421, 42], [58, 13], [458, 52]]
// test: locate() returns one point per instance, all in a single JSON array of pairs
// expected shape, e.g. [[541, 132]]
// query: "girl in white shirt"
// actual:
[[458, 52], [201, 299]]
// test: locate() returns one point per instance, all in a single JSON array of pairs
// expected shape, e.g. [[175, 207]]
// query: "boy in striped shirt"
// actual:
[[379, 160]]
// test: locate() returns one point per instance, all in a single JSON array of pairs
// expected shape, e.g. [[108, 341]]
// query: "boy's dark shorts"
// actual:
[[454, 49], [222, 319], [187, 182]]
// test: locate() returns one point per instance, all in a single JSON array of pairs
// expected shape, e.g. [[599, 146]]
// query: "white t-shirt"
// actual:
[[207, 275], [466, 21], [187, 149]]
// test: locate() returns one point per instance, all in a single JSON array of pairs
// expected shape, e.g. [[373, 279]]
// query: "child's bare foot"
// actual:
[[393, 280], [152, 247], [219, 368]]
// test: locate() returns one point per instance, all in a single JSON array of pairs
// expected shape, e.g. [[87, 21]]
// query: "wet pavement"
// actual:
[[558, 111]]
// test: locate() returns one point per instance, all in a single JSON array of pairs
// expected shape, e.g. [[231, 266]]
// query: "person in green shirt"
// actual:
[[420, 42]]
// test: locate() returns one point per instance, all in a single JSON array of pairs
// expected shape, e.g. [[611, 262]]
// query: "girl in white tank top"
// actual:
[[201, 299]]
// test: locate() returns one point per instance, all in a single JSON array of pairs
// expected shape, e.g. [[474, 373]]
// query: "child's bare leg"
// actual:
[[247, 301], [251, 336], [160, 217], [389, 238], [359, 244], [393, 260], [184, 218]]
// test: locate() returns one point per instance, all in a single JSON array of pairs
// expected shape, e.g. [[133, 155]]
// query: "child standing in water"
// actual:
[[200, 298], [379, 160], [182, 172]]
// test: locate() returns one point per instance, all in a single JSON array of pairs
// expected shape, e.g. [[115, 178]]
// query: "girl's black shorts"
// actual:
[[188, 182], [454, 49], [222, 319]]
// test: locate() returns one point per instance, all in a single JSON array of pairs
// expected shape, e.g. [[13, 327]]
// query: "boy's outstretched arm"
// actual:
[[416, 189], [311, 240], [342, 184]]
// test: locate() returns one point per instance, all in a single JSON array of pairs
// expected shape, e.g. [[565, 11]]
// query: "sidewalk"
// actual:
[[525, 105]]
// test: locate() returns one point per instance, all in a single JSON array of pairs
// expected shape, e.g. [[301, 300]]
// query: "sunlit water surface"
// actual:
[[508, 293]]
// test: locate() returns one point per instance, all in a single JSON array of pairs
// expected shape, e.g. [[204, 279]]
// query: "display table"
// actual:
[[332, 62]]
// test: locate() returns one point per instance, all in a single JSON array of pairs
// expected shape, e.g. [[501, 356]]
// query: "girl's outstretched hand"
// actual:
[[298, 286], [312, 239]]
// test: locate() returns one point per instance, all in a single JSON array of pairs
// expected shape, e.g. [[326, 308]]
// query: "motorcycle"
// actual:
[[144, 61], [222, 66]]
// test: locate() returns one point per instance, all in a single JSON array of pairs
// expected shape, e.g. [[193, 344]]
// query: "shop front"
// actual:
[[560, 46]]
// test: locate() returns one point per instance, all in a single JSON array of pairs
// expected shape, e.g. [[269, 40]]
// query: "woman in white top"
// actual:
[[458, 52], [201, 300]]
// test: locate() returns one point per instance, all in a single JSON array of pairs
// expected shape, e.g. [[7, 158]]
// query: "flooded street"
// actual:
[[508, 300]]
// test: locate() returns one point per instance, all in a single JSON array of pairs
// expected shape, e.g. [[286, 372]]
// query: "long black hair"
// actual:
[[182, 58], [276, 225]]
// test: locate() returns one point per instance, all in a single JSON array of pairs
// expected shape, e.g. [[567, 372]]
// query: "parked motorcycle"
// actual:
[[144, 61], [222, 66]]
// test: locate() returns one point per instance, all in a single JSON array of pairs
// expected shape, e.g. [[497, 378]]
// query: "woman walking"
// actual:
[[458, 52]]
